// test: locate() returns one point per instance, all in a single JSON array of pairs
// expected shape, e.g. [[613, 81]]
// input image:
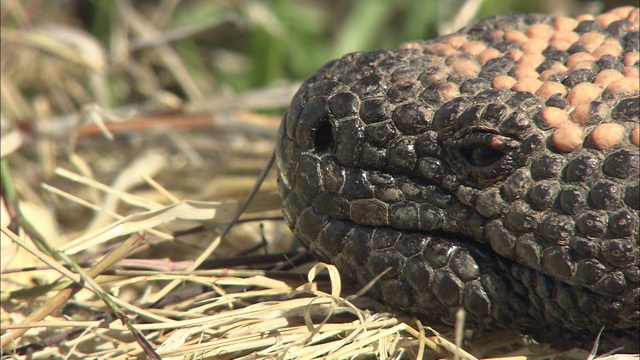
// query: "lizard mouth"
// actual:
[[431, 274], [429, 268]]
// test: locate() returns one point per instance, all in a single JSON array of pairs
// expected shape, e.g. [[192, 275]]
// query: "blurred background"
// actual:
[[112, 53]]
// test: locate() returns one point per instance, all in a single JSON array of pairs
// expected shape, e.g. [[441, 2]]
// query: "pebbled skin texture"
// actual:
[[494, 169]]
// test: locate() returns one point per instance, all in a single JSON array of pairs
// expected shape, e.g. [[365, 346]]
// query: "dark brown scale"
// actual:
[[592, 223], [505, 46], [410, 119], [581, 168], [577, 48], [587, 26], [551, 54], [573, 200], [578, 76], [546, 65], [586, 248], [557, 100], [475, 85], [632, 196], [622, 164], [547, 166], [375, 110], [392, 160], [600, 112], [381, 134], [403, 90], [609, 62], [542, 195], [631, 42], [606, 195], [622, 223], [617, 29], [626, 109], [496, 67], [343, 105], [524, 101], [559, 77], [557, 228]]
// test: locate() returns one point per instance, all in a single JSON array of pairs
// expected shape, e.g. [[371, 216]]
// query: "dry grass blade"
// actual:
[[64, 295], [10, 143], [185, 210], [465, 15], [172, 61]]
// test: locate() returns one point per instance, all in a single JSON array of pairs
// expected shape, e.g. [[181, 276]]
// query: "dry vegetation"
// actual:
[[132, 132]]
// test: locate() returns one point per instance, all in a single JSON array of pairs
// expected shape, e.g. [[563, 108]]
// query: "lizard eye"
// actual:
[[482, 155], [485, 155]]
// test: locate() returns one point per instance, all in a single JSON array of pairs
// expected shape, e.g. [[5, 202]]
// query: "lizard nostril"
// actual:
[[324, 140]]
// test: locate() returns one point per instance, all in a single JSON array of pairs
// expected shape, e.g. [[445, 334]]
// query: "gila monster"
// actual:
[[494, 169]]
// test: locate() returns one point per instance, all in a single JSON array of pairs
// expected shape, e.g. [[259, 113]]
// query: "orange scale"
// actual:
[[515, 54], [439, 76], [549, 73], [631, 71], [525, 72], [539, 31], [563, 23], [456, 41], [634, 136], [550, 88], [464, 66], [568, 137], [557, 65], [440, 49], [605, 77], [488, 54], [553, 117], [580, 115], [565, 35], [448, 91], [497, 35], [606, 136], [623, 11], [579, 56], [607, 49], [531, 60], [515, 36], [633, 20], [561, 45], [591, 40], [530, 85], [583, 65], [503, 82], [612, 41], [583, 93], [630, 58], [473, 48], [410, 45], [605, 19], [622, 87], [534, 46], [584, 17]]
